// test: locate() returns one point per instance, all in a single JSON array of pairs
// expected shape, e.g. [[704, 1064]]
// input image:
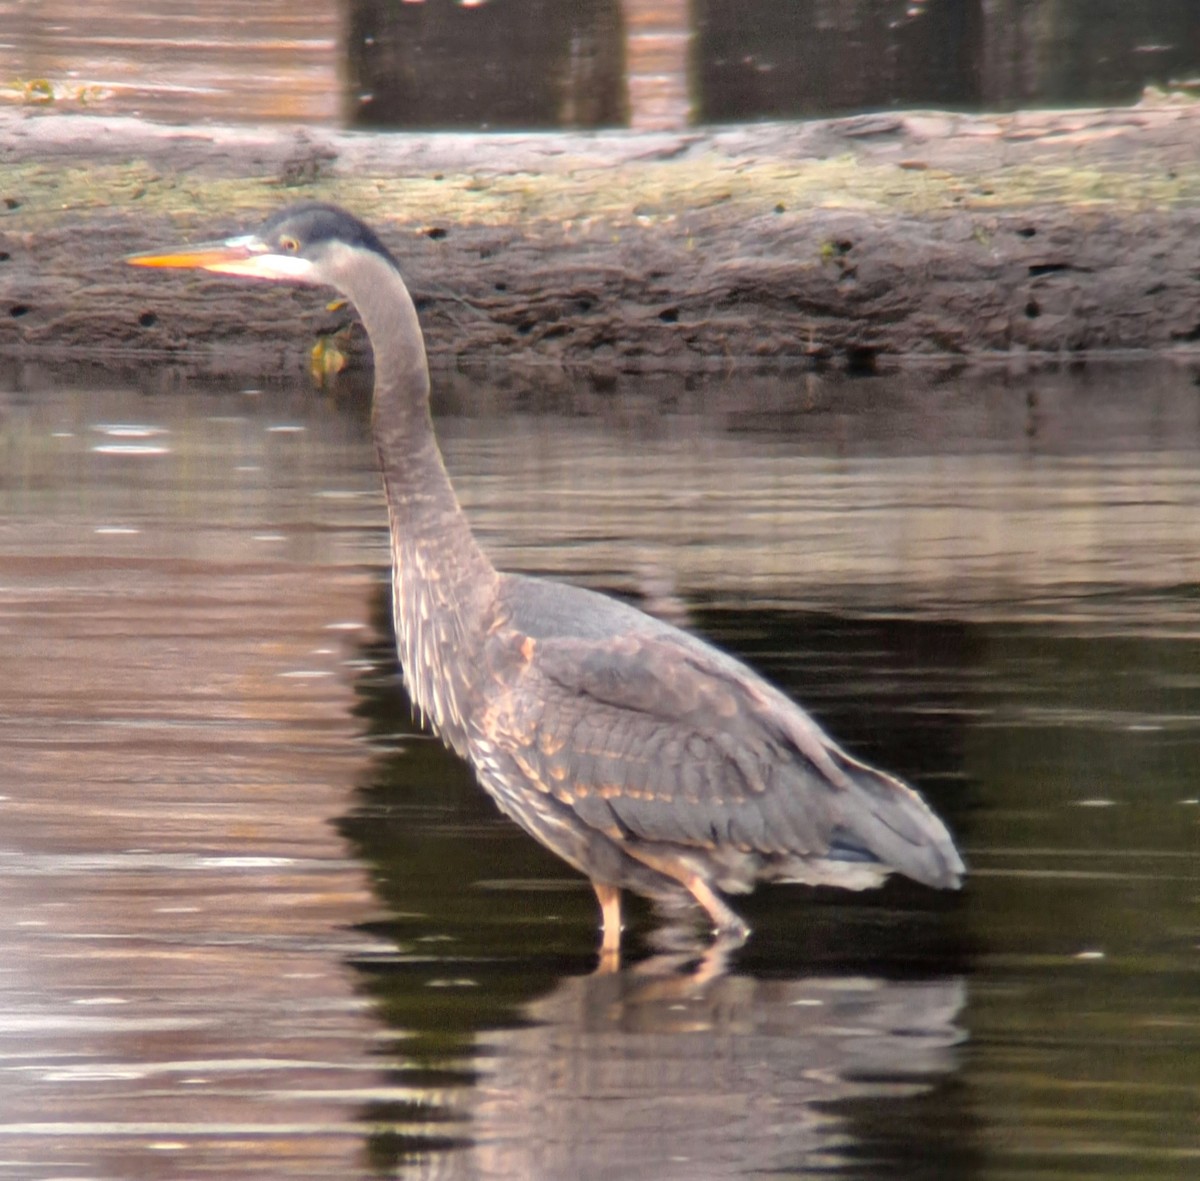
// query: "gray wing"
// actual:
[[653, 735]]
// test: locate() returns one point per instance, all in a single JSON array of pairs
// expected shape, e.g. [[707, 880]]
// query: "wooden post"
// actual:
[[658, 41]]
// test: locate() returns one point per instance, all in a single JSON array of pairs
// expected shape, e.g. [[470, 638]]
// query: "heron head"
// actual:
[[308, 243]]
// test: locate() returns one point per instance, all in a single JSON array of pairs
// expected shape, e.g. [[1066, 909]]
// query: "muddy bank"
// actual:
[[913, 233]]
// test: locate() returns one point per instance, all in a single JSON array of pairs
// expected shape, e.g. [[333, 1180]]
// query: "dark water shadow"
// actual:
[[1058, 744]]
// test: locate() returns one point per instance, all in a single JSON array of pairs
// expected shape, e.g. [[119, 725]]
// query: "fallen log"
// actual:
[[899, 234]]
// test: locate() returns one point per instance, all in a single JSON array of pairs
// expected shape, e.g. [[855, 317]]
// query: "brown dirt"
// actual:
[[898, 234]]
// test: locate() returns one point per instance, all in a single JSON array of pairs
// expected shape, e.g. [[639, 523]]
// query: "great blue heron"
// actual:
[[641, 755]]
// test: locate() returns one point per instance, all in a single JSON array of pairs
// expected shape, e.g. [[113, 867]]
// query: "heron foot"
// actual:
[[729, 929], [731, 935]]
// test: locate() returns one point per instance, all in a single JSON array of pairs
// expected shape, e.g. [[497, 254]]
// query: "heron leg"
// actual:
[[729, 928], [610, 918]]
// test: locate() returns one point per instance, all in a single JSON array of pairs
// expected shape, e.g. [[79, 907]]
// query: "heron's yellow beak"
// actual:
[[238, 256]]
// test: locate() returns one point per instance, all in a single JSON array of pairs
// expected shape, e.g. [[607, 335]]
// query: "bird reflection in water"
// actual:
[[658, 1072]]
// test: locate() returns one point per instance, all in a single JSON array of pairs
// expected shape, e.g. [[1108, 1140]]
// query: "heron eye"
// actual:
[[289, 244]]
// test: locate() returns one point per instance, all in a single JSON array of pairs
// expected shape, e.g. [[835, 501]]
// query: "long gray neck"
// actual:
[[443, 585]]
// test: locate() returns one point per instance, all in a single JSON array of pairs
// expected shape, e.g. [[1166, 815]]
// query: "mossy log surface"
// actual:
[[897, 234]]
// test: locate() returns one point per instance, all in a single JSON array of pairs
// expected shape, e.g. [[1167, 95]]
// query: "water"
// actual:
[[253, 923]]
